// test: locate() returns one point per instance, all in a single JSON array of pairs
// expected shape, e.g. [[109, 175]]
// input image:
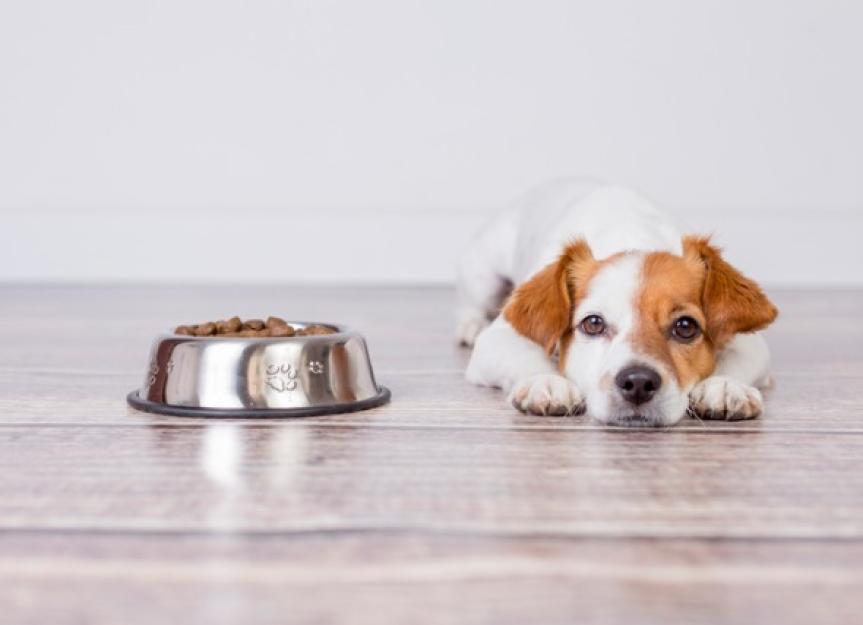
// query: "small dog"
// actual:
[[646, 324]]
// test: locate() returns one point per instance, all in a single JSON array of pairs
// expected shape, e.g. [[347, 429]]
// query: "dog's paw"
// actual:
[[468, 327], [723, 398], [547, 394]]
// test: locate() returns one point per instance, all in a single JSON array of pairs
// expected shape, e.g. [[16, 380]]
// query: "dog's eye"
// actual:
[[685, 329], [593, 325]]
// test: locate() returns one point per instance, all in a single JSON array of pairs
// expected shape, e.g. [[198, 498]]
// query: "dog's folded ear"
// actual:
[[541, 308], [731, 302]]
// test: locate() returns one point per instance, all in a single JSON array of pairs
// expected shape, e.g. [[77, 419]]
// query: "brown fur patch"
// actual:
[[541, 308], [700, 284], [670, 288], [732, 302]]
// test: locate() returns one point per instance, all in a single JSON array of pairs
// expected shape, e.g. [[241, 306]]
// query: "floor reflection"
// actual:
[[221, 455], [243, 472]]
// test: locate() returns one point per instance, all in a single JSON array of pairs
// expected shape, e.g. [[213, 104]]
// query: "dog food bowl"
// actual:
[[296, 376]]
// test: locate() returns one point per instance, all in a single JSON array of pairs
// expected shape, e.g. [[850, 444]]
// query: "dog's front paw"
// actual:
[[547, 394], [723, 398]]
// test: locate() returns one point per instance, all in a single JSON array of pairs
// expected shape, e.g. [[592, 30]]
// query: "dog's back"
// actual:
[[531, 234], [610, 218]]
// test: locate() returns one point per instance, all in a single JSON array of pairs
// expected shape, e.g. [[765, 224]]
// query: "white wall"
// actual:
[[337, 141]]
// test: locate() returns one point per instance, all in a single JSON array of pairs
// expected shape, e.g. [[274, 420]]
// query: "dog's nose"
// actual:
[[638, 384]]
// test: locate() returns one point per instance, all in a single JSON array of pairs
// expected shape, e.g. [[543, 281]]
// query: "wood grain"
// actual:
[[423, 578], [445, 506], [286, 478], [436, 398]]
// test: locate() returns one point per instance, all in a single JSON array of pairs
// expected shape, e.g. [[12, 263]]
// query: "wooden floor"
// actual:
[[445, 506]]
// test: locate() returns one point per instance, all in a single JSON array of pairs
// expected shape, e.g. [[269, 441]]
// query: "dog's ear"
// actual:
[[541, 308], [731, 302]]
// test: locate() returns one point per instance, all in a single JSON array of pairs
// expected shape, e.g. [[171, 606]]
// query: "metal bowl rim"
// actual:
[[379, 399]]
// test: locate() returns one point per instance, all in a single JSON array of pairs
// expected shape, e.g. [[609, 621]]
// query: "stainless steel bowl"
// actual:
[[294, 376]]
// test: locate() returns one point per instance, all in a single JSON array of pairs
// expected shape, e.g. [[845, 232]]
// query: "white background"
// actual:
[[364, 140]]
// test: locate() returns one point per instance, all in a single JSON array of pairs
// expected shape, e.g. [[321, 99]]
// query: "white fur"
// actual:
[[722, 397], [732, 392], [526, 239], [612, 295], [502, 356], [547, 394]]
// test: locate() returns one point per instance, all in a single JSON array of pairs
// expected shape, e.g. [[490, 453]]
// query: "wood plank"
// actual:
[[423, 578], [802, 403], [290, 478]]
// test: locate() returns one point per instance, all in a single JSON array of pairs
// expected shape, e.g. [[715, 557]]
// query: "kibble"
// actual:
[[205, 329], [315, 330], [251, 328], [273, 322], [234, 324]]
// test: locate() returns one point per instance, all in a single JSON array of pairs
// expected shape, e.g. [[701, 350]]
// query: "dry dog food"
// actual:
[[273, 326]]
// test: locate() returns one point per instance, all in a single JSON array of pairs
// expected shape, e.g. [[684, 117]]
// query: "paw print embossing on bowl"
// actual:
[[282, 377], [152, 372]]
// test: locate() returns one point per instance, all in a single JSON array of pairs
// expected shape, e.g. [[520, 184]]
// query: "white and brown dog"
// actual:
[[646, 324]]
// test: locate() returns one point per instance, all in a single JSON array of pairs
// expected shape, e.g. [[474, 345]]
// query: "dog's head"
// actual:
[[636, 331]]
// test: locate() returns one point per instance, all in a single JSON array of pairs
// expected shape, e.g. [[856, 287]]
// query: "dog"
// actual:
[[587, 298]]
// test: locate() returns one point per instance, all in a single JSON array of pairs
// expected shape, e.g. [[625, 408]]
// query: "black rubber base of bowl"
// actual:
[[137, 403]]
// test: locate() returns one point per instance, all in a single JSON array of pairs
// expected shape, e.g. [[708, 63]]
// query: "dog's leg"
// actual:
[[505, 359], [732, 392], [482, 282]]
